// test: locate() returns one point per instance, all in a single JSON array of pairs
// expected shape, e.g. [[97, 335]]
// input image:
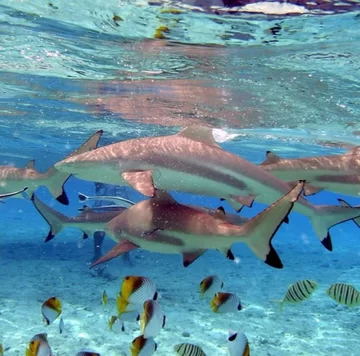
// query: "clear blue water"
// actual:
[[286, 83]]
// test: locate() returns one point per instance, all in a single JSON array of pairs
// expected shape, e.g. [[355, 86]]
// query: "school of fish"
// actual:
[[190, 161]]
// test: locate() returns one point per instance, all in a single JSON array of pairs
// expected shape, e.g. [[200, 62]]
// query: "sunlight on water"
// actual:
[[276, 80]]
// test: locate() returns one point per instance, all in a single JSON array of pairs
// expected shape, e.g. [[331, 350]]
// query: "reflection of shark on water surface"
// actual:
[[191, 161]]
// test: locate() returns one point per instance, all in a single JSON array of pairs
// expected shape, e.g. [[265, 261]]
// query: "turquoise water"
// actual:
[[288, 83]]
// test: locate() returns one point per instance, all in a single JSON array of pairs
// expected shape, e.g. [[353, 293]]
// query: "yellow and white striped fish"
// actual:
[[51, 309], [115, 324], [135, 291], [225, 303], [210, 285], [186, 349], [143, 347], [299, 291], [344, 294], [104, 298], [238, 344], [152, 319], [39, 346]]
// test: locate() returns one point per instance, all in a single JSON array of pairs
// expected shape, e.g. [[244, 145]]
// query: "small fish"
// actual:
[[87, 353], [1, 350], [51, 309], [61, 325], [135, 290], [225, 303], [143, 347], [188, 350], [116, 324], [299, 291], [210, 285], [39, 346], [104, 298], [344, 294], [119, 201], [238, 344], [152, 319]]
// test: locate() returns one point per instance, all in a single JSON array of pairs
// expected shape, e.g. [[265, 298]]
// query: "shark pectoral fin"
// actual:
[[190, 257], [237, 202], [308, 189], [199, 133], [271, 158], [119, 249], [140, 181]]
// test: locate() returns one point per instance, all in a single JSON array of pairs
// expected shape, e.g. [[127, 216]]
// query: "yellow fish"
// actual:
[[134, 292], [1, 350], [225, 303], [143, 347], [115, 324], [210, 285], [238, 344], [344, 294], [104, 298], [39, 346], [299, 291], [152, 319], [51, 309]]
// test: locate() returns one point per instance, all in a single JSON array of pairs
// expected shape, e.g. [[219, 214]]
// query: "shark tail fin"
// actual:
[[345, 203], [55, 179], [264, 226], [327, 216], [55, 219]]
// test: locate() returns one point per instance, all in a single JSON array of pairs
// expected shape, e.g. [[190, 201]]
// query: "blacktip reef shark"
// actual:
[[191, 161], [88, 221], [14, 178], [163, 225], [7, 195], [336, 173]]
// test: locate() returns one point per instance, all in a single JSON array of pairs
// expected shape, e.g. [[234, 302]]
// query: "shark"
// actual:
[[88, 221], [7, 195], [14, 178], [191, 161], [336, 173], [163, 225]]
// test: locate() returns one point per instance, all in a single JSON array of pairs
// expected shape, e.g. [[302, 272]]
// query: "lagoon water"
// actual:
[[279, 76]]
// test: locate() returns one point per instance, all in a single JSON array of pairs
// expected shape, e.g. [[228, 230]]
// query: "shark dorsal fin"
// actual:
[[221, 210], [30, 164], [163, 195], [271, 158], [199, 133], [90, 144], [219, 213]]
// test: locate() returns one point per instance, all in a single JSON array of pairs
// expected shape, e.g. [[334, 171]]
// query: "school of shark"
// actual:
[[190, 161]]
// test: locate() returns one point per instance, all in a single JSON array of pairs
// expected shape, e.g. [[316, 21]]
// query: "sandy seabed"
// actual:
[[32, 271]]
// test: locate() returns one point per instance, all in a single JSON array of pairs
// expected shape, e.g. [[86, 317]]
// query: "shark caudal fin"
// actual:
[[345, 203], [55, 180], [55, 219], [262, 228], [327, 216]]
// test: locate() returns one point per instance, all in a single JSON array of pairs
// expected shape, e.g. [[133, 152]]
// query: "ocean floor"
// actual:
[[32, 271]]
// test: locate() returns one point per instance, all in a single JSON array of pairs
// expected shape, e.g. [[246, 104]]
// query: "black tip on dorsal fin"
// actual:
[[273, 259], [221, 209], [230, 255], [50, 236], [327, 242], [268, 153], [30, 164], [63, 199]]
